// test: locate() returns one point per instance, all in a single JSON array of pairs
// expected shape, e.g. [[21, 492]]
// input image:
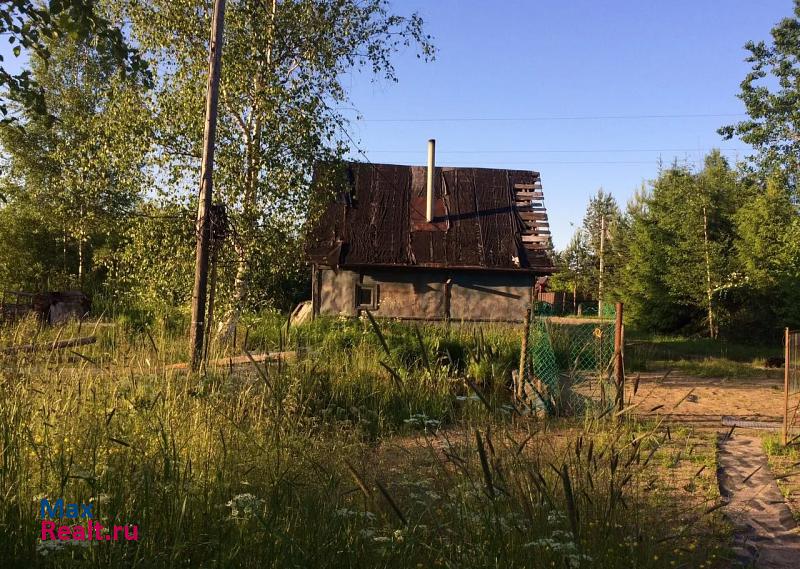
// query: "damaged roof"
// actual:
[[483, 219]]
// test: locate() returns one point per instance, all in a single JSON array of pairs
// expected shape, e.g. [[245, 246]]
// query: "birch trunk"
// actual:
[[252, 130], [226, 331], [602, 266]]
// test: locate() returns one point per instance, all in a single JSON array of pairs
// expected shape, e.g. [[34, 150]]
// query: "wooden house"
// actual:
[[435, 243]]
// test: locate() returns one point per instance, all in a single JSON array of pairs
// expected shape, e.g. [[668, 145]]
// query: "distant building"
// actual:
[[476, 259]]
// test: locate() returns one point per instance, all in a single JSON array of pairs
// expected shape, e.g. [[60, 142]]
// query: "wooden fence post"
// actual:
[[786, 387], [619, 367], [523, 355]]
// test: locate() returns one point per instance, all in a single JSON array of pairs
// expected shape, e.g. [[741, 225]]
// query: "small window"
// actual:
[[366, 296]]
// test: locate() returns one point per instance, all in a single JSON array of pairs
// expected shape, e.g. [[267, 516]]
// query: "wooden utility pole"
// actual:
[[619, 367], [602, 265], [206, 187]]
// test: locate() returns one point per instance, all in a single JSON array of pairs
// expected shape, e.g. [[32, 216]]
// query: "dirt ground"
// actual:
[[703, 402]]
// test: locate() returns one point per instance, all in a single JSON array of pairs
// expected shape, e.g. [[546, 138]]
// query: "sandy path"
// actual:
[[766, 532]]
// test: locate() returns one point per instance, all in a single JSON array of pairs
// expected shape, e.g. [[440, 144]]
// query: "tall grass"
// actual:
[[388, 448]]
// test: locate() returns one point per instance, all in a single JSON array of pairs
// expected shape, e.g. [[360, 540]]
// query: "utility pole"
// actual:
[[206, 189], [602, 263]]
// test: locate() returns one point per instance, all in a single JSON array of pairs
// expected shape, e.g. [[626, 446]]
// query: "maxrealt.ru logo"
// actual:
[[70, 531]]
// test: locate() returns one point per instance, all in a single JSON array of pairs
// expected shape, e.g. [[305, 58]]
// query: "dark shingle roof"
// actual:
[[483, 218]]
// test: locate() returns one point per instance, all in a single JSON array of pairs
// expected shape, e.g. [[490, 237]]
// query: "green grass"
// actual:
[[370, 450], [715, 367], [701, 357], [680, 347]]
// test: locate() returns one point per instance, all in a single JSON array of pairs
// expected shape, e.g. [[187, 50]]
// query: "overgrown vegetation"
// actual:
[[369, 449], [784, 460]]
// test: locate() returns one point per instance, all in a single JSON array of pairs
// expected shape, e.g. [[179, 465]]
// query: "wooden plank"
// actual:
[[241, 360], [527, 216], [535, 232], [534, 186], [529, 195], [535, 239]]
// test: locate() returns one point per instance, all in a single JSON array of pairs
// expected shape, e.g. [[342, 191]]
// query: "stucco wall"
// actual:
[[428, 294], [490, 296]]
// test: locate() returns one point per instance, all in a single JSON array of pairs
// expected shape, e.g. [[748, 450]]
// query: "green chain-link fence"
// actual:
[[570, 361]]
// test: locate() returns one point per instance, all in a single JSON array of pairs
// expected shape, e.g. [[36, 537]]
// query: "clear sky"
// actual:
[[608, 87], [541, 59]]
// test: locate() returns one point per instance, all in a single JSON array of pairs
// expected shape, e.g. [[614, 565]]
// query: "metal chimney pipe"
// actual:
[[431, 170]]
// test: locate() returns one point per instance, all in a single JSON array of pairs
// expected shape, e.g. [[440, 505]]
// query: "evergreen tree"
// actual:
[[767, 247], [602, 227], [573, 269], [680, 249]]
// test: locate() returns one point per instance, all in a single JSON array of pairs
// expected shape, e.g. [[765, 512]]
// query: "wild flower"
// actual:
[[101, 499], [244, 506], [422, 420], [45, 548], [467, 398]]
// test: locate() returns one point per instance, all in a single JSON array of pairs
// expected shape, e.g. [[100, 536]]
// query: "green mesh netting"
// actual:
[[566, 352]]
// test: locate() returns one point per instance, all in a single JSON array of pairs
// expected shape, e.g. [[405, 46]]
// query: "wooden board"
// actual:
[[529, 196], [241, 360], [535, 239], [527, 216]]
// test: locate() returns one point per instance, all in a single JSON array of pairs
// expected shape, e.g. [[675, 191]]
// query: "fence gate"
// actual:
[[791, 395]]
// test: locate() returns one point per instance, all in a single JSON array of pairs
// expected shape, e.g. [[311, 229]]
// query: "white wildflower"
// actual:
[[244, 506]]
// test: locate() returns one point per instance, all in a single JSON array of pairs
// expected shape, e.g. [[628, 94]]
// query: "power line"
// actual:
[[536, 163], [555, 118], [565, 151]]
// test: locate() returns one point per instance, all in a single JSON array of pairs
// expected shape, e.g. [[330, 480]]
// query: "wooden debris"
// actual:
[[240, 360], [59, 345]]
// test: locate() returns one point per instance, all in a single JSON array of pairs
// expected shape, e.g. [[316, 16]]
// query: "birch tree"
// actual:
[[78, 169], [282, 106]]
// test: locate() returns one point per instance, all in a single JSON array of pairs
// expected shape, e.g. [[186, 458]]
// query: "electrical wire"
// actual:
[[563, 151], [553, 118]]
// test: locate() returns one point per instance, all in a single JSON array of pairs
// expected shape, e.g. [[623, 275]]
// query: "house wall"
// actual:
[[423, 294]]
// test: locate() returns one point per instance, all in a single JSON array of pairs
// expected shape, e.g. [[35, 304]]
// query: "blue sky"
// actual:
[[613, 87], [547, 58]]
